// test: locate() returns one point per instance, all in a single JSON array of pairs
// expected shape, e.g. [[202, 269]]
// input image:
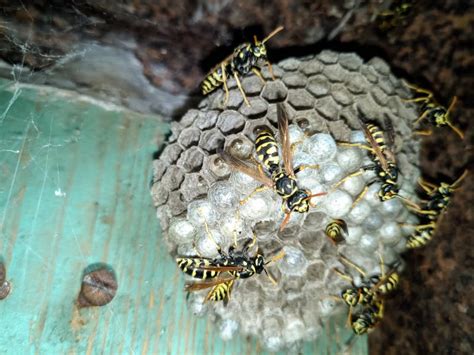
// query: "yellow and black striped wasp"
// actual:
[[368, 293], [384, 163], [281, 178], [365, 320], [221, 272], [438, 200], [336, 231], [394, 16], [436, 114], [245, 58]]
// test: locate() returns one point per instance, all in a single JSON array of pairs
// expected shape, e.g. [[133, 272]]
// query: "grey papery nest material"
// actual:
[[324, 95]]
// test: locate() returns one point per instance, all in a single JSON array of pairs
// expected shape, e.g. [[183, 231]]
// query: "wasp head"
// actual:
[[388, 191], [259, 263], [259, 50]]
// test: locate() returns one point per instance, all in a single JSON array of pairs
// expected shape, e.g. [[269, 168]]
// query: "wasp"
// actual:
[[395, 16], [368, 318], [367, 295], [371, 287], [221, 272], [436, 114], [280, 178], [245, 58], [336, 231], [439, 197], [384, 162], [422, 235]]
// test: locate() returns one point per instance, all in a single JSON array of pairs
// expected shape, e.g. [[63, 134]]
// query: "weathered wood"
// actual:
[[74, 190]]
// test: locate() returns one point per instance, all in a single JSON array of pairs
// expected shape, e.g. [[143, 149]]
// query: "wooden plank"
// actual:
[[74, 190]]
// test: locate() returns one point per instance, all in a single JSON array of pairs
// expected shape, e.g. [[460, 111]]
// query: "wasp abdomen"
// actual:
[[266, 148]]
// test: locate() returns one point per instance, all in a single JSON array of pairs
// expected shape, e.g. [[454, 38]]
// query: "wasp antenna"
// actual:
[[461, 178], [455, 129], [285, 221], [315, 195], [273, 33]]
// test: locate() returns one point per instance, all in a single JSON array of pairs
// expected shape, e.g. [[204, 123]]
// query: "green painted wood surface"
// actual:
[[74, 190]]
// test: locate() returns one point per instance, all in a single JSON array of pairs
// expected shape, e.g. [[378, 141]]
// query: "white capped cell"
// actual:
[[197, 305], [308, 161], [349, 159], [354, 185], [337, 203], [186, 249], [311, 182], [230, 223], [228, 328], [294, 262], [357, 137], [259, 207], [200, 212], [294, 329], [181, 231], [223, 196], [373, 221], [243, 182], [207, 243], [295, 133], [391, 208], [321, 146], [368, 243], [390, 233], [372, 195], [330, 173], [354, 234]]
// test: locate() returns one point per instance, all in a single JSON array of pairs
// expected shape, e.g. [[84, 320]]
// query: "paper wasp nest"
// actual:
[[324, 96]]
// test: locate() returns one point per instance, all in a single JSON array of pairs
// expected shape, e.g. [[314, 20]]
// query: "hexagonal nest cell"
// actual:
[[200, 201]]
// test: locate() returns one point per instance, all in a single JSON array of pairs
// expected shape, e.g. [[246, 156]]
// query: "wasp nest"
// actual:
[[324, 95]]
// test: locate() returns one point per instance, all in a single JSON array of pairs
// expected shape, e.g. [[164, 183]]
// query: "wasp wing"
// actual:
[[248, 169], [221, 268], [285, 139], [388, 126], [196, 286], [375, 147]]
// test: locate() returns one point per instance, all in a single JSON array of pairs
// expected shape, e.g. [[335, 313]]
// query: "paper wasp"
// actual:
[[367, 295], [384, 163], [437, 202], [394, 16], [336, 231], [368, 318], [436, 114], [245, 58], [281, 179], [221, 272]]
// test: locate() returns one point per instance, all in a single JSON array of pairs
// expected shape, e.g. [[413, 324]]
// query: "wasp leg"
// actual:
[[423, 115], [355, 145], [428, 132], [257, 190], [257, 73], [354, 174], [360, 196], [302, 167], [211, 237], [343, 275], [226, 89], [237, 80], [419, 89], [285, 220], [427, 186], [270, 69], [350, 263]]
